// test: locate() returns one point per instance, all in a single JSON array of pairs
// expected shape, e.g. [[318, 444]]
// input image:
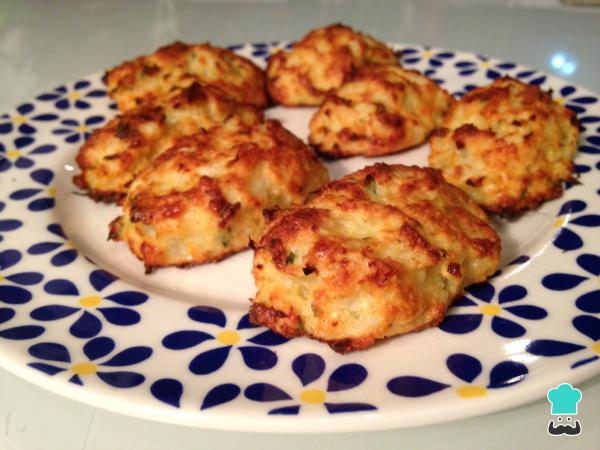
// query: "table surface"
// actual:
[[43, 44]]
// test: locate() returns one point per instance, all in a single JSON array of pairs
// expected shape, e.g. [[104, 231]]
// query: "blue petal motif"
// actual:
[[121, 379], [245, 323], [86, 326], [9, 258], [482, 291], [120, 316], [167, 390], [584, 361], [6, 314], [26, 278], [209, 361], [98, 347], [75, 379], [129, 356], [101, 279], [588, 326], [185, 339], [10, 224], [590, 220], [46, 368], [333, 408], [218, 395], [589, 302], [268, 338], [56, 229], [52, 312], [43, 248], [567, 240], [528, 311], [61, 287], [562, 281], [63, 258], [41, 204], [14, 295], [207, 314], [461, 323], [465, 367], [50, 351], [549, 347], [572, 206], [507, 328], [128, 298], [258, 358], [265, 392], [410, 386], [308, 367], [589, 263], [507, 373], [512, 293], [22, 332], [286, 410], [345, 377]]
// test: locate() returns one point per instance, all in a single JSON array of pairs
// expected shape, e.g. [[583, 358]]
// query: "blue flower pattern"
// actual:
[[22, 120], [308, 369], [62, 252], [479, 303], [40, 197], [78, 96], [21, 152], [75, 131], [56, 358], [89, 323], [254, 353]]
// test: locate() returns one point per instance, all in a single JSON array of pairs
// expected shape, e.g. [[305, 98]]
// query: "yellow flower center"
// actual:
[[90, 301], [86, 368], [486, 65], [560, 100], [427, 54], [19, 119], [228, 337], [313, 396], [596, 348], [1, 278], [74, 95], [69, 244], [471, 391], [490, 310], [558, 223], [13, 154], [83, 129], [52, 191]]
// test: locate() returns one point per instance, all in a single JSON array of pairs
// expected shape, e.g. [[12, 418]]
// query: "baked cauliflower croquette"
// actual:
[[319, 62], [202, 199], [147, 78], [379, 110], [114, 154], [508, 145], [380, 252]]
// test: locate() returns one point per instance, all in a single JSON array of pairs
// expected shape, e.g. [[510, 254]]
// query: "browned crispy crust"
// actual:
[[318, 63], [146, 79], [508, 145], [112, 156], [380, 252], [202, 199], [380, 109]]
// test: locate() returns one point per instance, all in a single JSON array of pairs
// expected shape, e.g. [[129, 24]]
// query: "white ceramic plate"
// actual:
[[79, 317]]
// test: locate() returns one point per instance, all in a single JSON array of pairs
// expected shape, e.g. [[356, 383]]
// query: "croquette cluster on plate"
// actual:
[[200, 174]]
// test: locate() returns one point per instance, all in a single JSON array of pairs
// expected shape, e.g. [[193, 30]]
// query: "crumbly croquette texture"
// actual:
[[113, 155], [319, 62], [380, 252], [202, 200], [508, 145], [148, 78], [380, 109]]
